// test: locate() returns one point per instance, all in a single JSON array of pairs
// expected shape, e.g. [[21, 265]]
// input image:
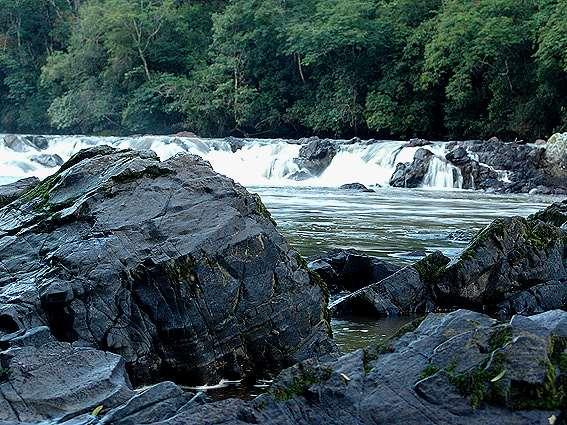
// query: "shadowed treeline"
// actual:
[[389, 68]]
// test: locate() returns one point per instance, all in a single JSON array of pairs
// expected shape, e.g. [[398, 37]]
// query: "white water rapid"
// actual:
[[259, 162]]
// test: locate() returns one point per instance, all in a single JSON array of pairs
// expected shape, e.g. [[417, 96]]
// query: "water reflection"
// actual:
[[400, 224], [358, 332]]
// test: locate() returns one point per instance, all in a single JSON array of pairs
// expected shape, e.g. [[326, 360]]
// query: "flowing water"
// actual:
[[400, 225], [260, 162]]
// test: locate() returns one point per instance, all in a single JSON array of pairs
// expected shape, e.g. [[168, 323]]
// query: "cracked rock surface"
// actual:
[[457, 368], [170, 265]]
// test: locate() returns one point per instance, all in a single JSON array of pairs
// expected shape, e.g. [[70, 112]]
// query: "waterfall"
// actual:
[[251, 162]]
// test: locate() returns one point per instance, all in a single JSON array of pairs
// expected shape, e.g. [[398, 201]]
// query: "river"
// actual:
[[400, 225]]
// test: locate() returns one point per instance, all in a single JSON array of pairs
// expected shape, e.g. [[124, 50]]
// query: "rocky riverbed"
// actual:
[[123, 277], [366, 165]]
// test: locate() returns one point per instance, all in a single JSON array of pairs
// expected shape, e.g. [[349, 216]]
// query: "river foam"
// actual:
[[256, 162]]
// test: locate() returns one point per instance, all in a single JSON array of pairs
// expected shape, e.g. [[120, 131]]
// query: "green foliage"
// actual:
[[404, 68]]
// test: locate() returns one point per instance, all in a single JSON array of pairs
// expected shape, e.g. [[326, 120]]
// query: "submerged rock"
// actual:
[[412, 174], [359, 187], [172, 266], [350, 270], [10, 192]]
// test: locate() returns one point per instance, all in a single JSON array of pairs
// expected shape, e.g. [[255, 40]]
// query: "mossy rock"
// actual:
[[302, 377]]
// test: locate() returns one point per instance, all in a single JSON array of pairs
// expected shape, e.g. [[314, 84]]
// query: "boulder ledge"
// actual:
[[170, 265]]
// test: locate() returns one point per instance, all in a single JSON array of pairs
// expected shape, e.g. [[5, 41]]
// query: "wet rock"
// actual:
[[57, 379], [458, 156], [177, 269], [46, 160], [185, 134], [556, 156], [474, 174], [17, 144], [316, 155], [515, 265], [10, 192], [540, 142], [537, 299], [401, 293], [407, 291], [397, 381], [359, 187], [412, 174], [39, 142], [525, 165], [235, 143], [350, 270], [413, 143], [154, 404], [478, 176]]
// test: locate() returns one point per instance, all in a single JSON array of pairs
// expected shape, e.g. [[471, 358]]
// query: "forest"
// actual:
[[285, 68]]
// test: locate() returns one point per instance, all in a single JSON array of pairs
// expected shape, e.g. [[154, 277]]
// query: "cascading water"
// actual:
[[251, 162]]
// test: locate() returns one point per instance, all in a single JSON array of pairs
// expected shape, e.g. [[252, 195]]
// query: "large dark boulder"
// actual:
[[350, 269], [177, 269], [461, 368], [412, 174], [314, 157], [10, 192], [515, 265]]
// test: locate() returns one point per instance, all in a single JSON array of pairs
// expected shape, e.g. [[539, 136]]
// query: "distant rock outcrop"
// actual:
[[314, 158], [412, 174]]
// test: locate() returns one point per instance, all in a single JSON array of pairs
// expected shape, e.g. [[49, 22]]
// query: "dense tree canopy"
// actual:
[[390, 68]]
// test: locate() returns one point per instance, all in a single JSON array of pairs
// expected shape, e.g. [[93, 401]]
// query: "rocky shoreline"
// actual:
[[123, 277]]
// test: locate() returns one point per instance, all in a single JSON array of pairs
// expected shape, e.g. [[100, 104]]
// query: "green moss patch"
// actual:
[[431, 267], [429, 370], [261, 209], [305, 378], [4, 374], [501, 337]]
